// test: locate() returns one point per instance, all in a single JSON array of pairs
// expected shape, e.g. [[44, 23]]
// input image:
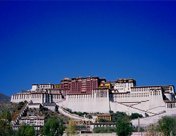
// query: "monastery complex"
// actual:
[[93, 94]]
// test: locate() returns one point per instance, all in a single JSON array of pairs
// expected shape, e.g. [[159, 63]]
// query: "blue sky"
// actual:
[[43, 42]]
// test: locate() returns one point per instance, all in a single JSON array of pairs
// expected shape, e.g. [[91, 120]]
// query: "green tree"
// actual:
[[5, 126], [25, 130], [30, 131], [118, 115], [167, 125], [135, 116], [71, 128], [104, 129], [124, 127], [6, 115], [54, 127]]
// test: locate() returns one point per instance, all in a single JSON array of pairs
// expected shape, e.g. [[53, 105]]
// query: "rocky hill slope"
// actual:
[[4, 98]]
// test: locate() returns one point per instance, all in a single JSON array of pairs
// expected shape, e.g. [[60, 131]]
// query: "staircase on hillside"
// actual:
[[16, 121], [73, 116]]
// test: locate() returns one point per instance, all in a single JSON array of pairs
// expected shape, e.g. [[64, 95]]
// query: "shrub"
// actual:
[[104, 129]]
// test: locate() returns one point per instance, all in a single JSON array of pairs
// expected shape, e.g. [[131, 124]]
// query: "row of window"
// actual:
[[131, 95], [36, 95], [57, 96], [137, 94], [171, 105], [140, 89], [155, 93], [104, 125], [144, 89], [21, 96], [26, 96], [32, 122], [79, 96], [45, 86]]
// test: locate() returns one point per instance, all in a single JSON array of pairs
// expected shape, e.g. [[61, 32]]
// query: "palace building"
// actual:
[[93, 94], [80, 84]]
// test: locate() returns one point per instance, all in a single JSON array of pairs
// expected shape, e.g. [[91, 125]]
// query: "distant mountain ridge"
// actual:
[[4, 98]]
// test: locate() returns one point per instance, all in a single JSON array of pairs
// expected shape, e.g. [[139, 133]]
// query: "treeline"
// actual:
[[53, 127], [123, 125], [118, 115], [166, 126]]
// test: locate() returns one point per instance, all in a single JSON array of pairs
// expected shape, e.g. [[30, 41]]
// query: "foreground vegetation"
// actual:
[[166, 126], [55, 125], [104, 129]]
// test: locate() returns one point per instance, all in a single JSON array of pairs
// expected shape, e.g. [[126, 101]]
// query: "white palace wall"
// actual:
[[98, 101], [87, 103], [19, 97], [138, 100], [145, 101], [125, 102], [36, 97]]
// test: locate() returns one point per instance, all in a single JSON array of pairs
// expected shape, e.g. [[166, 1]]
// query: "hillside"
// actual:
[[4, 98]]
